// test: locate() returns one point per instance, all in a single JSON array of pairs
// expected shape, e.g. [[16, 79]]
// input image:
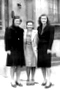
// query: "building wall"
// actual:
[[20, 11], [26, 12], [41, 7], [49, 7], [30, 10]]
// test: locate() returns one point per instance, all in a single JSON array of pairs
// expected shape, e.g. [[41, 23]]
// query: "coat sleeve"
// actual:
[[51, 37], [38, 35], [35, 38], [7, 39]]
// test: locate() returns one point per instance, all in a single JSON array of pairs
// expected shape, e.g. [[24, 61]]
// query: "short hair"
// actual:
[[16, 17], [39, 20], [30, 21]]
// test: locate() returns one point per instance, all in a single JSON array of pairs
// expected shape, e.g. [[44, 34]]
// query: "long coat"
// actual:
[[45, 41], [14, 43]]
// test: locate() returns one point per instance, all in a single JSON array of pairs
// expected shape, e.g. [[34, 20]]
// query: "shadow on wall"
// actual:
[[57, 32]]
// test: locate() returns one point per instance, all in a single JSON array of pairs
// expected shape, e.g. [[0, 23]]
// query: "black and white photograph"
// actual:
[[30, 44]]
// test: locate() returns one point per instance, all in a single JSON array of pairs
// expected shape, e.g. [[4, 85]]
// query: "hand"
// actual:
[[9, 52], [48, 51]]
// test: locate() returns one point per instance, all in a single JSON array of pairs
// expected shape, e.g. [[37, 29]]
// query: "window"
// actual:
[[53, 6], [6, 2]]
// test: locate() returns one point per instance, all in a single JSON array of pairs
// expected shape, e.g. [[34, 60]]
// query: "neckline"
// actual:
[[45, 28]]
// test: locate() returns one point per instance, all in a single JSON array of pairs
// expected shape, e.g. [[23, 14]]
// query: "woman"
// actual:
[[14, 48], [29, 48], [45, 40]]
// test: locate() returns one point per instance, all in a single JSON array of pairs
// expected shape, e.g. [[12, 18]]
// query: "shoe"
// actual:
[[19, 84], [13, 85], [27, 80], [48, 86], [32, 83], [28, 83], [43, 84]]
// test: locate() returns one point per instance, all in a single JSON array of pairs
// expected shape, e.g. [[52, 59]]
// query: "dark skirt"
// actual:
[[15, 59], [44, 59]]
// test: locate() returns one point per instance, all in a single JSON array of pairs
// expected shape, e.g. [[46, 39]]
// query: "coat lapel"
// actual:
[[44, 30]]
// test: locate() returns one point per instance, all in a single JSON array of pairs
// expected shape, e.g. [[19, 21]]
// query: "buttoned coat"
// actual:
[[14, 43], [45, 40]]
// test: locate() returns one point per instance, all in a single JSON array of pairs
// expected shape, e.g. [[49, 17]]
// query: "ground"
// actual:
[[55, 79]]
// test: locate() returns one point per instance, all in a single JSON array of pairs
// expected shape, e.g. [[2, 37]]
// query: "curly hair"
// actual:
[[39, 20]]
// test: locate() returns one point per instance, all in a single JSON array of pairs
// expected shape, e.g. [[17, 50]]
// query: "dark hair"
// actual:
[[29, 22], [39, 20], [16, 17]]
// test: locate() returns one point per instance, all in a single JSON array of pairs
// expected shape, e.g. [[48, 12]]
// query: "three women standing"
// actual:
[[14, 48], [45, 40]]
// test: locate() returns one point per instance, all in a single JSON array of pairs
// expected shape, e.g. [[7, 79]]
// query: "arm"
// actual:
[[51, 39], [35, 39], [7, 40], [24, 39]]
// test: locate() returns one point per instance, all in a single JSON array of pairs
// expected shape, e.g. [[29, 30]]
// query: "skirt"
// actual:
[[30, 57], [44, 59], [16, 58]]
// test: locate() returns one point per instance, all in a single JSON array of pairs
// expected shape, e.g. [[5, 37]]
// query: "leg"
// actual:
[[33, 72], [28, 73], [12, 72], [49, 84], [44, 75], [18, 70], [48, 75]]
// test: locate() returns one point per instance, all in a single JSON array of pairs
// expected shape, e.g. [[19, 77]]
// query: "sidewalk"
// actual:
[[55, 79]]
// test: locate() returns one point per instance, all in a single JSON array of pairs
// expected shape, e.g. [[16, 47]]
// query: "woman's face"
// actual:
[[29, 25], [43, 19], [17, 22]]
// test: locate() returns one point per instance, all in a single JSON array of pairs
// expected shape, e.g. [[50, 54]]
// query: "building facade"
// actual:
[[28, 10]]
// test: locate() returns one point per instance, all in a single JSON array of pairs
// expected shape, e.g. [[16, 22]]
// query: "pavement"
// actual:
[[55, 79]]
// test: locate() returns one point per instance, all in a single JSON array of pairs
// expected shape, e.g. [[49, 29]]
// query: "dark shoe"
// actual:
[[43, 84], [19, 84], [48, 86]]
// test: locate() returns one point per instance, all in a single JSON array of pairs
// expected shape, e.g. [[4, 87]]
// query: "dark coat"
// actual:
[[44, 43], [14, 43]]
